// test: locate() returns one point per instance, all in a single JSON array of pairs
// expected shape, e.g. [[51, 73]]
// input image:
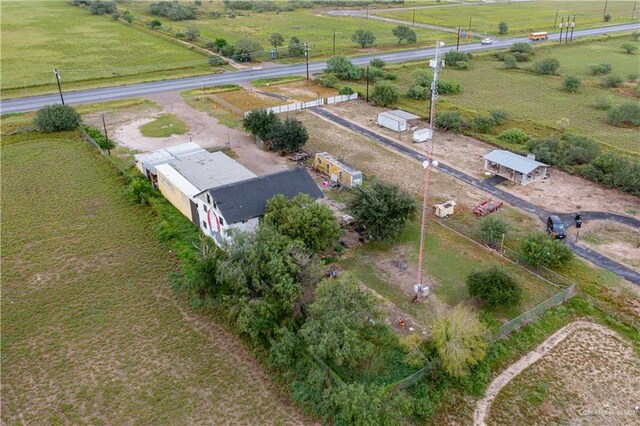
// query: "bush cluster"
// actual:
[[56, 118], [173, 10], [99, 137], [547, 66], [627, 114], [450, 121], [495, 287], [457, 59], [539, 249], [600, 69], [513, 136]]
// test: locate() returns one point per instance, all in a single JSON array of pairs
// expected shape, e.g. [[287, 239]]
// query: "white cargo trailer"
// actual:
[[392, 122], [422, 135]]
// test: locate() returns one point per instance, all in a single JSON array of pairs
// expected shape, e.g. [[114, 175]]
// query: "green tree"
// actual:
[[262, 274], [547, 66], [422, 77], [571, 84], [338, 322], [597, 69], [491, 229], [635, 35], [626, 114], [607, 17], [192, 33], [377, 63], [343, 68], [56, 118], [363, 38], [522, 47], [346, 90], [541, 250], [302, 219], [382, 208], [613, 80], [503, 28], [288, 135], [260, 123], [514, 136], [371, 404], [418, 92], [453, 57], [483, 124], [276, 40], [247, 49], [545, 149], [385, 93], [450, 121], [459, 338], [404, 33], [510, 61], [495, 287], [296, 47], [127, 16], [155, 24], [219, 43], [578, 150], [629, 48]]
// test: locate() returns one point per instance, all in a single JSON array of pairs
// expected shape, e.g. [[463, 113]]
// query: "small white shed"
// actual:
[[445, 209], [396, 120]]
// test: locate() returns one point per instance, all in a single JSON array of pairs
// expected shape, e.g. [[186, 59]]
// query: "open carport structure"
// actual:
[[519, 169]]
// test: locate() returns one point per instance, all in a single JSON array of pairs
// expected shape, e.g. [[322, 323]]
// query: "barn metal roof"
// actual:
[[150, 160], [404, 114], [248, 199], [208, 170], [513, 161]]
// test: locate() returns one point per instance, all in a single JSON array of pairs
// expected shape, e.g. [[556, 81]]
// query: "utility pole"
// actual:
[[334, 41], [566, 34], [556, 21], [59, 87], [106, 135], [367, 84], [306, 54], [573, 24], [469, 32], [604, 12], [458, 40], [633, 14], [436, 65], [561, 27], [414, 17]]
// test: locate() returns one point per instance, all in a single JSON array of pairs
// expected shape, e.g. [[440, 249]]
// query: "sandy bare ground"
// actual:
[[561, 192], [203, 130], [576, 329]]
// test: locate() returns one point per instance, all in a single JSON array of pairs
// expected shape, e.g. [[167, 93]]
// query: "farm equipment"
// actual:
[[487, 207]]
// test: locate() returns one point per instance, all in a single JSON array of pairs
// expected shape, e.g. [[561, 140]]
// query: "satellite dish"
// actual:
[[425, 163], [435, 163]]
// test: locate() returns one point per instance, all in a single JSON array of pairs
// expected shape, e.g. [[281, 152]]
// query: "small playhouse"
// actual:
[[337, 171]]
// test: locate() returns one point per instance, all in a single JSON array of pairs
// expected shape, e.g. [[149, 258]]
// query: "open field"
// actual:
[[591, 377], [91, 331], [88, 51], [309, 25], [522, 17]]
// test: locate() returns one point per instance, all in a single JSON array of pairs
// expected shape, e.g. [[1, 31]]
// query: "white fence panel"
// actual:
[[311, 104]]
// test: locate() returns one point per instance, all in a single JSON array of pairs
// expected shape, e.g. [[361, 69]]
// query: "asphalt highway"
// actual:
[[141, 89]]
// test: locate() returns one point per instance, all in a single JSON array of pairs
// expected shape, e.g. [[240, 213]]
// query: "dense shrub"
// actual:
[[600, 69], [327, 80], [191, 33], [522, 57], [450, 121], [612, 81], [635, 35], [246, 49], [499, 116], [607, 17], [378, 63], [603, 102], [578, 150], [545, 149], [228, 50], [99, 137], [452, 58], [296, 47], [288, 135], [373, 74], [260, 122], [491, 229], [483, 124], [155, 24], [503, 28], [175, 11], [626, 114], [419, 93], [547, 66], [571, 84], [139, 190], [462, 65], [510, 61], [539, 249], [522, 47], [56, 118], [446, 87], [633, 77], [615, 171], [514, 136], [385, 93], [99, 7], [216, 61], [495, 287], [346, 90], [343, 68], [629, 48]]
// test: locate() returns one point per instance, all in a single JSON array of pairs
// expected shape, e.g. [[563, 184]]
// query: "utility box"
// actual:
[[422, 135], [392, 121], [445, 209]]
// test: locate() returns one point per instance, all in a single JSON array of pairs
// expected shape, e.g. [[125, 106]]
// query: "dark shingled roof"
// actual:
[[248, 199]]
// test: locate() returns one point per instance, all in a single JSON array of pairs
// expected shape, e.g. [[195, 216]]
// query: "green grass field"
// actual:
[[521, 17], [308, 25], [87, 50], [165, 125], [91, 331]]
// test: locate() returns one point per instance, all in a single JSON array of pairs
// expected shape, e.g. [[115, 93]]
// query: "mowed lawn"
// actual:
[[91, 331], [38, 36], [521, 17], [309, 25]]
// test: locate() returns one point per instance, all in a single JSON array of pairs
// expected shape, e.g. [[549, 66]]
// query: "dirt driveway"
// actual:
[[204, 130], [562, 192]]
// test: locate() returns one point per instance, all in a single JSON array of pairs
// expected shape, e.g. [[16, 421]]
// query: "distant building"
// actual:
[[338, 172], [240, 205], [519, 169]]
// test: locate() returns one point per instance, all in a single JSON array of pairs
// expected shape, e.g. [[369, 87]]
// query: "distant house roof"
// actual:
[[248, 199], [149, 160], [404, 114], [208, 170], [513, 161]]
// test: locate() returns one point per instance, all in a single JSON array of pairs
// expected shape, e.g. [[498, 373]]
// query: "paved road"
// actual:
[[141, 89], [584, 252]]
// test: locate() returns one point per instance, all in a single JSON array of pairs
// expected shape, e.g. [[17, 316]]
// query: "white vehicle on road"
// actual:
[[486, 41]]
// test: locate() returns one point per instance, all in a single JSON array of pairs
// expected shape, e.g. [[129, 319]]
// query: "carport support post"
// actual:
[[458, 40]]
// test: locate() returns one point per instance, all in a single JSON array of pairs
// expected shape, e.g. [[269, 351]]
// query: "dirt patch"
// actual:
[[302, 91], [248, 100], [562, 192], [584, 374], [615, 240]]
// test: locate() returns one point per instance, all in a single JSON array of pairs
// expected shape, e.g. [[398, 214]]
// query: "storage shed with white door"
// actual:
[[337, 171]]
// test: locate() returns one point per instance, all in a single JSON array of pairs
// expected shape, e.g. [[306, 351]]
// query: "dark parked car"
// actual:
[[555, 227]]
